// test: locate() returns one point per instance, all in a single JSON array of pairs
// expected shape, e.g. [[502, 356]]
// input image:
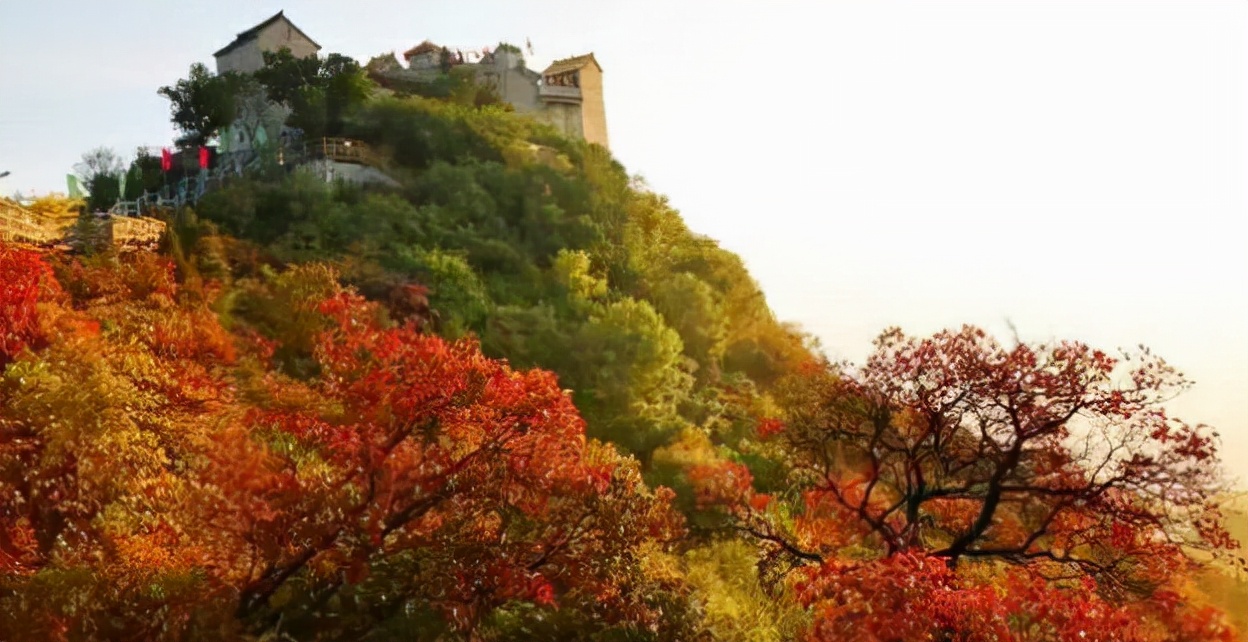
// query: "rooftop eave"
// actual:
[[247, 36], [572, 64]]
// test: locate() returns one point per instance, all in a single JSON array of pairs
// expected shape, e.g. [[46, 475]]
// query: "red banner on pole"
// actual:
[[166, 160], [203, 157]]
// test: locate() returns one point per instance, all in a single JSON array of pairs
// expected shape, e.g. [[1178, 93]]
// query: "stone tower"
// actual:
[[571, 94], [246, 53], [567, 95]]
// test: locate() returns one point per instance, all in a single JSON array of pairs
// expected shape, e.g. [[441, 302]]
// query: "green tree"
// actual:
[[202, 103], [457, 295], [630, 376], [319, 92], [690, 306], [143, 175], [100, 172]]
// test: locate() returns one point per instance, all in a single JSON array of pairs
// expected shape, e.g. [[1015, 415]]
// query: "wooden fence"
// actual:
[[343, 150]]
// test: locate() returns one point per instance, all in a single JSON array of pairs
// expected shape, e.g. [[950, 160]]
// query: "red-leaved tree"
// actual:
[[25, 280], [952, 475], [314, 471]]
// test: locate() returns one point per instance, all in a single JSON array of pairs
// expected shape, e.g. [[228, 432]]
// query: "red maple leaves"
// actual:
[[318, 468], [25, 280], [956, 485], [391, 463]]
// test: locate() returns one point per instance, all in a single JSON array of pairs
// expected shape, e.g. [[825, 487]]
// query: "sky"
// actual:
[[1075, 168]]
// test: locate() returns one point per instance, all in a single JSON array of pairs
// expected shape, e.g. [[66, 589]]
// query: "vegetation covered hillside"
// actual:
[[509, 395], [1227, 582], [542, 249]]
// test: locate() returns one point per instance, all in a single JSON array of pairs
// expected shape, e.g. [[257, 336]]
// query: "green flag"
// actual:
[[223, 140], [121, 186], [74, 190]]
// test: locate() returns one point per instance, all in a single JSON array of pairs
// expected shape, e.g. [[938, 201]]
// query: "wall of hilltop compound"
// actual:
[[564, 117], [248, 57], [593, 107]]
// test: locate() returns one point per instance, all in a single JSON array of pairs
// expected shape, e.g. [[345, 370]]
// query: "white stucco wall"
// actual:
[[327, 170]]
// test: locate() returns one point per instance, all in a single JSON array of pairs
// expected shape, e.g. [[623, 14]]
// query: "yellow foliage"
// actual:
[[659, 565], [691, 448], [56, 206], [724, 577], [1220, 582]]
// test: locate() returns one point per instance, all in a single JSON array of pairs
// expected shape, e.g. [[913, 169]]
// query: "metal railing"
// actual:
[[126, 208], [189, 189]]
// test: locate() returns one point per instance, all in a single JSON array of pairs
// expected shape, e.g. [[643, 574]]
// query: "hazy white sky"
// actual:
[[1078, 167]]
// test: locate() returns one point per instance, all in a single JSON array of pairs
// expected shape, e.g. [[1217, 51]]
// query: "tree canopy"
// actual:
[[951, 467], [508, 394], [153, 458], [203, 103]]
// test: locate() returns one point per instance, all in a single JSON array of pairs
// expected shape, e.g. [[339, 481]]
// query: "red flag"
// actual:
[[203, 157], [166, 160]]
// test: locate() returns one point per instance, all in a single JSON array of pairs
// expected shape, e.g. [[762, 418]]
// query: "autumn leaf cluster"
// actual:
[[510, 395], [956, 488], [164, 476]]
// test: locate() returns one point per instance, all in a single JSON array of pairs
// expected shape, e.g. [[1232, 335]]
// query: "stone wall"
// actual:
[[519, 88], [18, 224], [331, 171], [249, 57], [593, 106], [565, 117]]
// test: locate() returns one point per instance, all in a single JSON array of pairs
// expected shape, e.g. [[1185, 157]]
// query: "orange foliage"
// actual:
[[25, 280], [955, 489], [196, 491]]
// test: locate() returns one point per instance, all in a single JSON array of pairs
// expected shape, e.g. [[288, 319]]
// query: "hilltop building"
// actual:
[[246, 53], [567, 95], [571, 95], [427, 56]]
